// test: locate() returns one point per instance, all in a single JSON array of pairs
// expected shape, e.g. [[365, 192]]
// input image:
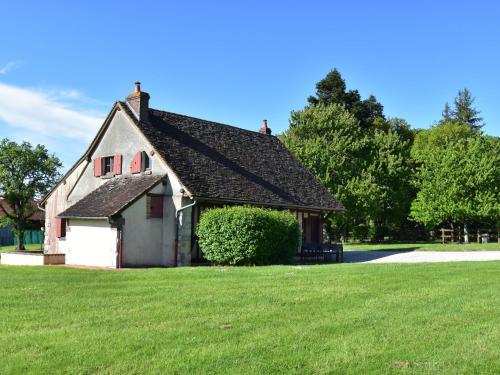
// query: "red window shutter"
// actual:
[[139, 162], [135, 167], [117, 164], [60, 227], [97, 167]]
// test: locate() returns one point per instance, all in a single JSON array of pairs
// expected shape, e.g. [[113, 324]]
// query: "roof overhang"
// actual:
[[274, 205], [82, 217]]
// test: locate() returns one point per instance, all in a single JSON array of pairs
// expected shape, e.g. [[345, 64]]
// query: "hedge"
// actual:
[[248, 236]]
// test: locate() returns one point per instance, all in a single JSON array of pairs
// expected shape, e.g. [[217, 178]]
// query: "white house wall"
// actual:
[[142, 236], [151, 242], [90, 243]]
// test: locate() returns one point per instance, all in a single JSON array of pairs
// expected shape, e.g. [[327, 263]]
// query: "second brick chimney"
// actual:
[[264, 129], [138, 101]]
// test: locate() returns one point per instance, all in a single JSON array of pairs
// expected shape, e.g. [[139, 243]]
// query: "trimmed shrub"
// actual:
[[248, 235]]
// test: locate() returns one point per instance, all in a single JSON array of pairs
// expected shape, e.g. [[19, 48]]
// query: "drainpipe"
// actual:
[[118, 222], [176, 242], [119, 246]]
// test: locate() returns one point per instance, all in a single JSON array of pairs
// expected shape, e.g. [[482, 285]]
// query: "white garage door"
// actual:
[[90, 243]]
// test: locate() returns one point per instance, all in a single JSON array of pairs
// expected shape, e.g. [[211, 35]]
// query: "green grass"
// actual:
[[31, 247], [423, 246], [328, 319]]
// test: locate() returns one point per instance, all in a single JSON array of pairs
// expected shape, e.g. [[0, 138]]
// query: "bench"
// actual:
[[321, 252]]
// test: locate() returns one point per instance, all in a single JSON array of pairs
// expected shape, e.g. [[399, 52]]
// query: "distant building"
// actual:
[[7, 236]]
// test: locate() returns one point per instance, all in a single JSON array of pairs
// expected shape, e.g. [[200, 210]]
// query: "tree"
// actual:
[[401, 128], [368, 172], [26, 174], [329, 141], [332, 90], [465, 111], [458, 179], [439, 136], [391, 169], [447, 114]]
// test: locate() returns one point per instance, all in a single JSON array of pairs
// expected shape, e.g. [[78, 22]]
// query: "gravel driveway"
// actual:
[[352, 256]]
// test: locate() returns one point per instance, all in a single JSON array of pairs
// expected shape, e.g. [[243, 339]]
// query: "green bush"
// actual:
[[248, 235]]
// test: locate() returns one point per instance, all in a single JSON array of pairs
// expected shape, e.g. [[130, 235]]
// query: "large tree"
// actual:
[[458, 177], [368, 172], [26, 174], [330, 143], [361, 157]]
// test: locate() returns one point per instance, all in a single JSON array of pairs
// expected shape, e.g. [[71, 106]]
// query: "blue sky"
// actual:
[[63, 64]]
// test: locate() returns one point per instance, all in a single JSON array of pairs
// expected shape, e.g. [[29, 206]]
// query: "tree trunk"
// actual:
[[466, 232], [20, 236]]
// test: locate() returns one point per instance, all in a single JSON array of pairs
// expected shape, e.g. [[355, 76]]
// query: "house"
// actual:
[[135, 196], [33, 232]]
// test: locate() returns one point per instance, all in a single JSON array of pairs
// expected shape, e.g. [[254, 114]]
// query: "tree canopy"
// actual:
[[464, 111], [458, 176], [26, 174], [366, 169], [389, 177], [332, 90]]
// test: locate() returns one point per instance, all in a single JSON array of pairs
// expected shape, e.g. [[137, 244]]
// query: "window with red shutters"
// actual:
[[97, 167], [60, 227], [118, 164], [154, 209]]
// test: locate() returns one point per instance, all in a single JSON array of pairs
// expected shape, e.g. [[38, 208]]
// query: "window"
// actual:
[[146, 162], [140, 163], [154, 209], [60, 227], [107, 164]]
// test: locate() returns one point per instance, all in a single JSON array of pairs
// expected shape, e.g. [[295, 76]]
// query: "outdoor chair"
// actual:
[[310, 250], [330, 250]]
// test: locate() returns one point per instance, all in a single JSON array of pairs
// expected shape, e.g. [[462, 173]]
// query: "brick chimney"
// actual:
[[265, 129], [138, 101]]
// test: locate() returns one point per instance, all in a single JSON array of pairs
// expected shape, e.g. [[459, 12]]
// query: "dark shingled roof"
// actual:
[[222, 162], [112, 197]]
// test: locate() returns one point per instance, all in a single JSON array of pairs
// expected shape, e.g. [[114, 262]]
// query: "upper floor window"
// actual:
[[146, 162], [107, 164]]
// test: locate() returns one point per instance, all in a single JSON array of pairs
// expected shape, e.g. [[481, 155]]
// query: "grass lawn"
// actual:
[[423, 246], [328, 319], [31, 247]]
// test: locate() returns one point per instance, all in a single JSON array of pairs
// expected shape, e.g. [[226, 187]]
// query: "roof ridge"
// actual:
[[211, 122]]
